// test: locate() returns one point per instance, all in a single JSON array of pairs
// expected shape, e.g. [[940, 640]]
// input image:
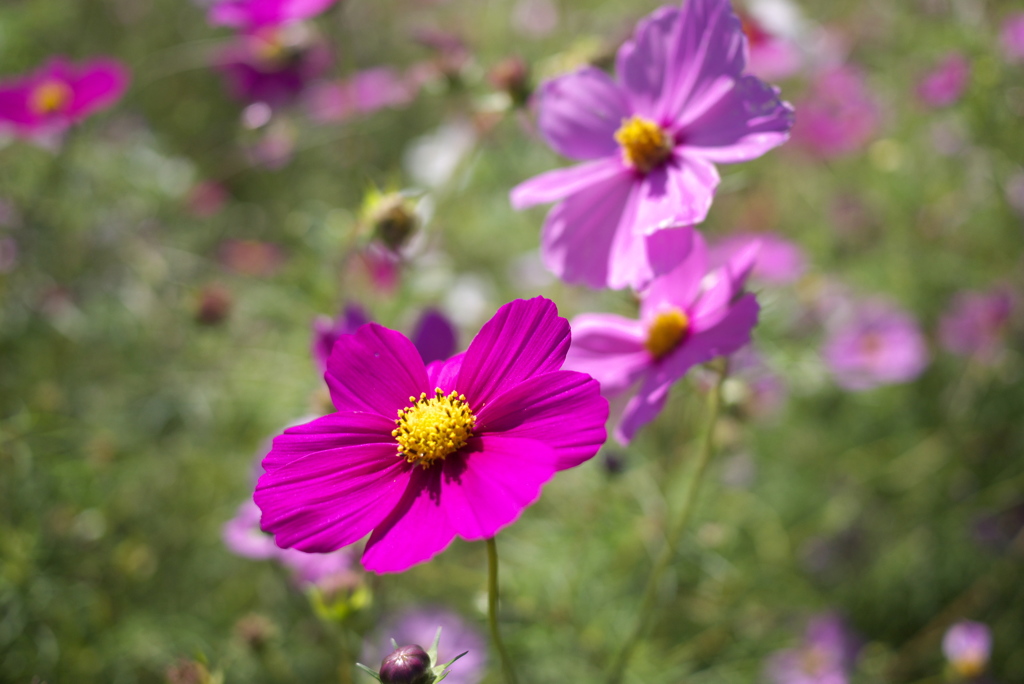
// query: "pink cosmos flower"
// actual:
[[687, 317], [419, 454], [839, 114], [779, 261], [251, 257], [273, 64], [362, 93], [1012, 37], [418, 625], [879, 344], [60, 94], [770, 57], [976, 323], [943, 85], [967, 646], [826, 656], [254, 14], [650, 141]]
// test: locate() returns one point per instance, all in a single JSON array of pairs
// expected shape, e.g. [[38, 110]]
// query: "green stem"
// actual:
[[672, 538], [492, 611]]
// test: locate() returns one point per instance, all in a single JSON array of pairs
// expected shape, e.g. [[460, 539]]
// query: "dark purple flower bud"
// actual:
[[406, 665]]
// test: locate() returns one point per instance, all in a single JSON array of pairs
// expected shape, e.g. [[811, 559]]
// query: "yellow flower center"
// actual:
[[644, 143], [970, 667], [269, 46], [50, 96], [433, 427], [666, 332]]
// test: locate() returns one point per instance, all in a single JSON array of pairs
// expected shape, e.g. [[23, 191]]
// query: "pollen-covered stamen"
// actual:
[[50, 96], [433, 427], [666, 332], [644, 143]]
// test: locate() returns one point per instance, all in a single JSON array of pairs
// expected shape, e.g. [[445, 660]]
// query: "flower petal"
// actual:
[[329, 432], [678, 288], [640, 63], [666, 249], [329, 499], [443, 374], [744, 124], [676, 194], [492, 481], [101, 83], [610, 348], [434, 336], [524, 338], [642, 409], [560, 183], [375, 370], [580, 112], [416, 530], [563, 410], [721, 287]]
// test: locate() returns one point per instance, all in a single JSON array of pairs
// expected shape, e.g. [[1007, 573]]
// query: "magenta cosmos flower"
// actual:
[[254, 14], [967, 646], [976, 323], [274, 64], [650, 141], [687, 317], [60, 94], [878, 344], [418, 625], [419, 454], [943, 85]]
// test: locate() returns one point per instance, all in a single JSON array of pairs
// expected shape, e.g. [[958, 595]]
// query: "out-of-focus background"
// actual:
[[163, 260]]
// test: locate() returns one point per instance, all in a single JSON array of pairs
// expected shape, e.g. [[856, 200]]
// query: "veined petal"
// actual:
[[675, 195], [679, 287], [640, 63], [524, 338], [580, 112], [563, 410], [560, 183], [610, 348], [491, 481], [416, 530], [332, 498], [329, 432], [375, 370], [742, 125]]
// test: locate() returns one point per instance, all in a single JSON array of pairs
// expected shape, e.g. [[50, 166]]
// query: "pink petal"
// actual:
[[580, 112], [640, 63], [329, 432], [101, 83], [666, 249], [563, 410], [434, 336], [524, 338], [678, 288], [416, 530], [642, 409], [375, 370], [744, 124], [722, 285], [676, 194], [443, 374], [329, 499], [560, 183], [491, 483], [610, 348]]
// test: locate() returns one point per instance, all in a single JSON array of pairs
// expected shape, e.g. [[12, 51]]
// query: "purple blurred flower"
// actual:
[[60, 94], [826, 656], [967, 646], [769, 57], [255, 14], [362, 93], [838, 115], [650, 141], [274, 64], [1011, 37], [943, 85], [433, 336], [477, 437], [687, 317], [879, 344], [418, 626], [779, 261], [976, 323], [251, 257]]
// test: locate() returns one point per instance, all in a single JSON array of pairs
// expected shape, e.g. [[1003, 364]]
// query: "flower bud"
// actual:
[[407, 665], [392, 218]]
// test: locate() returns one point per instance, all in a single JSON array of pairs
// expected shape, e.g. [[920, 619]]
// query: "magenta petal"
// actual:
[[329, 499], [610, 348], [675, 195], [375, 370], [560, 183], [434, 336], [329, 432], [101, 84], [642, 409], [678, 288], [640, 63], [742, 125], [444, 374], [580, 112], [491, 481], [563, 410], [524, 338], [416, 530]]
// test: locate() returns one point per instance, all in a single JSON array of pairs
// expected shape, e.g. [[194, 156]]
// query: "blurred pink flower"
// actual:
[[251, 257], [362, 93], [826, 656], [1011, 37], [273, 64], [779, 261], [838, 114], [769, 57], [650, 141], [254, 14], [418, 625], [206, 198], [945, 84], [8, 254], [60, 94], [976, 323], [878, 344], [967, 646], [687, 317]]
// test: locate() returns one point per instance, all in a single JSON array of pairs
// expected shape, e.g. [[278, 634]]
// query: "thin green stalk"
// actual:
[[672, 538], [492, 611]]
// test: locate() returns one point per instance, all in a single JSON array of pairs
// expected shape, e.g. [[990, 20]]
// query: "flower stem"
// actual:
[[492, 611], [668, 551]]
